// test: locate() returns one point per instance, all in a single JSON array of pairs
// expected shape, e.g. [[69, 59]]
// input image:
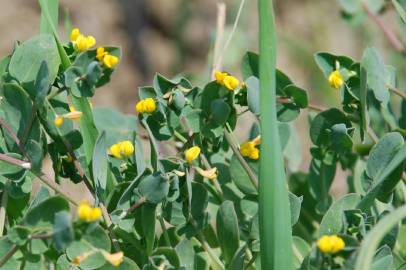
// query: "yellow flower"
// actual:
[[84, 43], [220, 76], [73, 115], [110, 60], [335, 79], [115, 258], [88, 213], [147, 105], [58, 121], [71, 108], [330, 244], [78, 259], [100, 53], [122, 149], [192, 153], [231, 82], [74, 34], [209, 174], [249, 150]]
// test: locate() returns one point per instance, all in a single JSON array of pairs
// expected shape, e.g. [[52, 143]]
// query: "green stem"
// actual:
[[180, 137], [217, 263], [274, 210], [240, 158]]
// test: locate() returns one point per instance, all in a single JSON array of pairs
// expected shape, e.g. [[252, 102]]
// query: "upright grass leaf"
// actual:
[[274, 211], [52, 7], [374, 237]]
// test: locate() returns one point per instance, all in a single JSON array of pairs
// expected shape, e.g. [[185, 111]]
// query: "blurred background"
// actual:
[[177, 37]]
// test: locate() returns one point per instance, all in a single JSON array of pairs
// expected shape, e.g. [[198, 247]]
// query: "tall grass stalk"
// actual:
[[274, 210]]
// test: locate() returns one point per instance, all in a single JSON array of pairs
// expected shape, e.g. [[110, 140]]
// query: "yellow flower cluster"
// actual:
[[249, 149], [192, 153], [122, 149], [88, 213], [227, 80], [330, 244], [336, 79], [107, 59], [81, 42], [146, 105]]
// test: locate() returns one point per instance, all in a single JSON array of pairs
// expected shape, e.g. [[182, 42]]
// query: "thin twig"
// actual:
[[390, 36], [311, 106], [8, 255], [221, 20], [12, 134], [397, 91], [3, 207], [20, 163], [244, 164], [230, 36], [107, 219], [53, 185]]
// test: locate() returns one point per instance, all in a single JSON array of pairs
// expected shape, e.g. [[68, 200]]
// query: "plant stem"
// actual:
[[57, 188], [164, 231], [388, 33], [244, 164], [8, 255], [3, 207], [14, 161], [274, 209], [221, 20], [12, 134], [107, 219], [230, 36], [214, 181], [209, 251], [396, 91]]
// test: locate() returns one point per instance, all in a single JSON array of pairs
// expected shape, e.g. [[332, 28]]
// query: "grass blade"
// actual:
[[275, 227], [52, 9], [375, 236]]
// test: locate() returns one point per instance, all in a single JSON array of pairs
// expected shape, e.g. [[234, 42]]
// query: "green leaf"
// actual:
[[300, 250], [97, 237], [297, 95], [295, 203], [34, 152], [240, 176], [148, 219], [43, 215], [384, 167], [186, 254], [154, 188], [27, 59], [323, 123], [220, 111], [227, 230], [373, 63], [17, 108], [99, 165], [374, 237], [237, 262], [332, 222], [249, 65], [252, 84], [327, 62], [63, 233]]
